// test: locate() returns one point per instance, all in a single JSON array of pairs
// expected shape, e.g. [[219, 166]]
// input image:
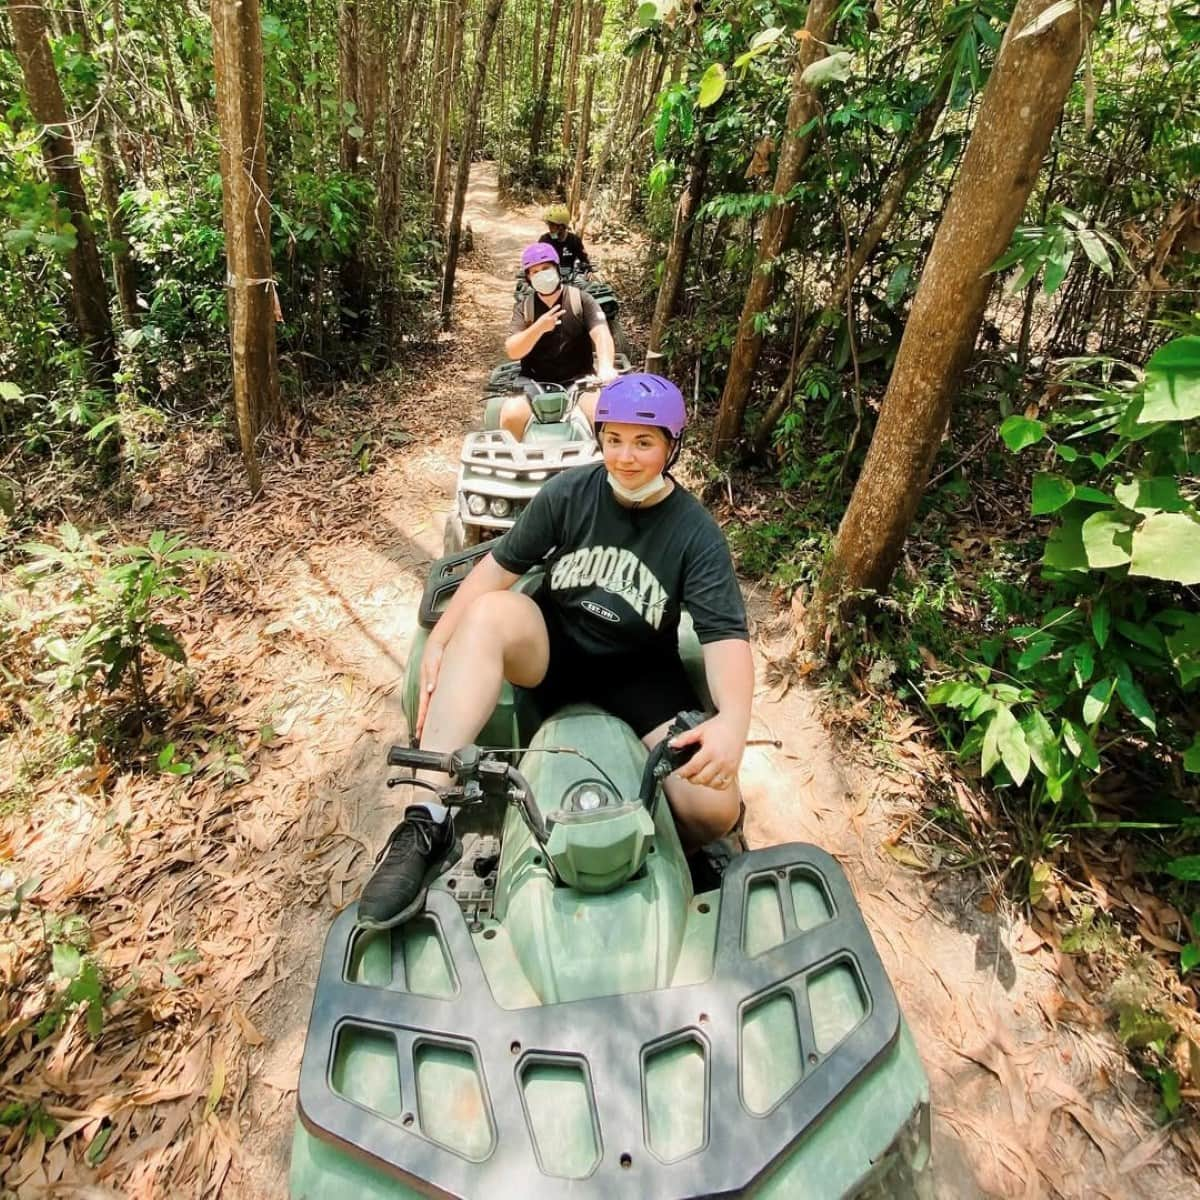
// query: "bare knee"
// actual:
[[703, 814], [505, 628], [514, 415]]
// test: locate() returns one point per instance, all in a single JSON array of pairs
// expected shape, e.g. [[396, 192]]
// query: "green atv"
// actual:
[[567, 1018]]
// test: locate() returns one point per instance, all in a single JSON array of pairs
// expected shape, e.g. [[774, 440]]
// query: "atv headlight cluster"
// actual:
[[500, 507]]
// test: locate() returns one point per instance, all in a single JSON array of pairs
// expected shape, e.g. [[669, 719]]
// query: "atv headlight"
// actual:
[[589, 796], [477, 505], [500, 506]]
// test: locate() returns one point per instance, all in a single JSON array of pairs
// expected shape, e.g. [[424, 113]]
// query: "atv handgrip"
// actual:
[[420, 760]]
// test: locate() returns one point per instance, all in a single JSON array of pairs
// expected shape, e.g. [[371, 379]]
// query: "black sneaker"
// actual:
[[708, 864], [417, 852]]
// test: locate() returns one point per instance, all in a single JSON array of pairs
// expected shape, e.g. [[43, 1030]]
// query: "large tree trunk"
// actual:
[[89, 290], [675, 267], [595, 28], [546, 58], [483, 45], [889, 202], [776, 228], [238, 65], [1021, 105]]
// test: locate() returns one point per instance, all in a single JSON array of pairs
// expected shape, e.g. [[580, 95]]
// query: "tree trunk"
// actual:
[[238, 66], [352, 275], [595, 28], [606, 151], [397, 124], [571, 58], [89, 290], [452, 44], [1021, 105], [637, 130], [675, 267], [482, 46], [893, 193], [776, 228], [543, 93]]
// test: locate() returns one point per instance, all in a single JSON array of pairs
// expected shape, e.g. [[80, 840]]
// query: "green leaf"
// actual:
[[1013, 748], [166, 756], [1038, 648], [1189, 957], [1019, 432], [1172, 385], [647, 14], [760, 43], [1135, 700], [1186, 868], [1184, 648], [825, 70], [1093, 247], [1191, 756], [1043, 745], [1101, 622], [1064, 547], [1158, 494], [65, 960], [1085, 663], [1050, 493], [1167, 546], [1106, 540], [9, 391], [712, 85], [1096, 703]]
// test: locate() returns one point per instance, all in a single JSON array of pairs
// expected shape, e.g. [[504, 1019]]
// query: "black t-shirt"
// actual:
[[571, 254], [617, 576], [565, 352]]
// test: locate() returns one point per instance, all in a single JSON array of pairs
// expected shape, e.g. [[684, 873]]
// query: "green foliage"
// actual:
[[1051, 697], [109, 617]]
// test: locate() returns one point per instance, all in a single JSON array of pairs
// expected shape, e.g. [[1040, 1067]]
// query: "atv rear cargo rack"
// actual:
[[609, 1040]]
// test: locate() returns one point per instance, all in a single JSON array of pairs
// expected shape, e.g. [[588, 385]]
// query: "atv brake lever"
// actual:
[[674, 757]]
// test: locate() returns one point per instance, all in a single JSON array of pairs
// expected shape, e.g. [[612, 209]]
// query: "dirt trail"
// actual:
[[1016, 1110], [1020, 1109]]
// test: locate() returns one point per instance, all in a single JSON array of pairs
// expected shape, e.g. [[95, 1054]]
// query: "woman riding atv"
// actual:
[[555, 337], [569, 246], [624, 548]]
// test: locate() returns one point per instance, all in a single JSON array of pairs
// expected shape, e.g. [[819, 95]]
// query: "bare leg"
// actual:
[[501, 636], [514, 415], [702, 814], [587, 405]]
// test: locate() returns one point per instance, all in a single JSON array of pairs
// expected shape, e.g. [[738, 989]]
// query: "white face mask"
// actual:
[[545, 281], [636, 495]]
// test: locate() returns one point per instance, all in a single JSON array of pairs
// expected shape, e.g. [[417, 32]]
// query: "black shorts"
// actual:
[[645, 689]]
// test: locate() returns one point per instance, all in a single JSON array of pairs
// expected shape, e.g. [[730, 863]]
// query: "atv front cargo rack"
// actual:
[[497, 452], [609, 1042]]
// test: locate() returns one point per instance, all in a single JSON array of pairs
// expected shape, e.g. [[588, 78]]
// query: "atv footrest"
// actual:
[[789, 937]]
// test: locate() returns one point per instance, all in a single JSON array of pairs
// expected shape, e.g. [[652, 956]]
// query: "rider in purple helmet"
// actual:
[[625, 549], [555, 333]]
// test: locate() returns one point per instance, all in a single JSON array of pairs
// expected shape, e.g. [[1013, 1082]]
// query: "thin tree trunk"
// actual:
[[539, 104], [482, 46], [893, 193], [453, 44], [675, 266], [596, 26], [606, 150], [238, 66], [571, 58], [89, 291], [1021, 105], [636, 132], [776, 228]]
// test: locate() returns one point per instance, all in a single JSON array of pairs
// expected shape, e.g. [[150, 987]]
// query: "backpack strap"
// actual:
[[528, 310], [574, 300]]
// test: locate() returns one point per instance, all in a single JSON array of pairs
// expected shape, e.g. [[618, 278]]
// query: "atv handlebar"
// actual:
[[420, 760]]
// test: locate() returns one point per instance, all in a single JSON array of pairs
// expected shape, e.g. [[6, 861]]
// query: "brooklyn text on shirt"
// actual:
[[614, 570]]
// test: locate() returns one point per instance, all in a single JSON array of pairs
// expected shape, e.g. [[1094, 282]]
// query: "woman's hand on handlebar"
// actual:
[[722, 744], [431, 665]]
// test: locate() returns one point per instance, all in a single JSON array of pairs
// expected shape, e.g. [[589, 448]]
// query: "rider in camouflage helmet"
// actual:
[[571, 255]]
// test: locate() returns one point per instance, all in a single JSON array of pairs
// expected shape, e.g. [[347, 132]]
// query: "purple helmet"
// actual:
[[641, 399], [539, 252]]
